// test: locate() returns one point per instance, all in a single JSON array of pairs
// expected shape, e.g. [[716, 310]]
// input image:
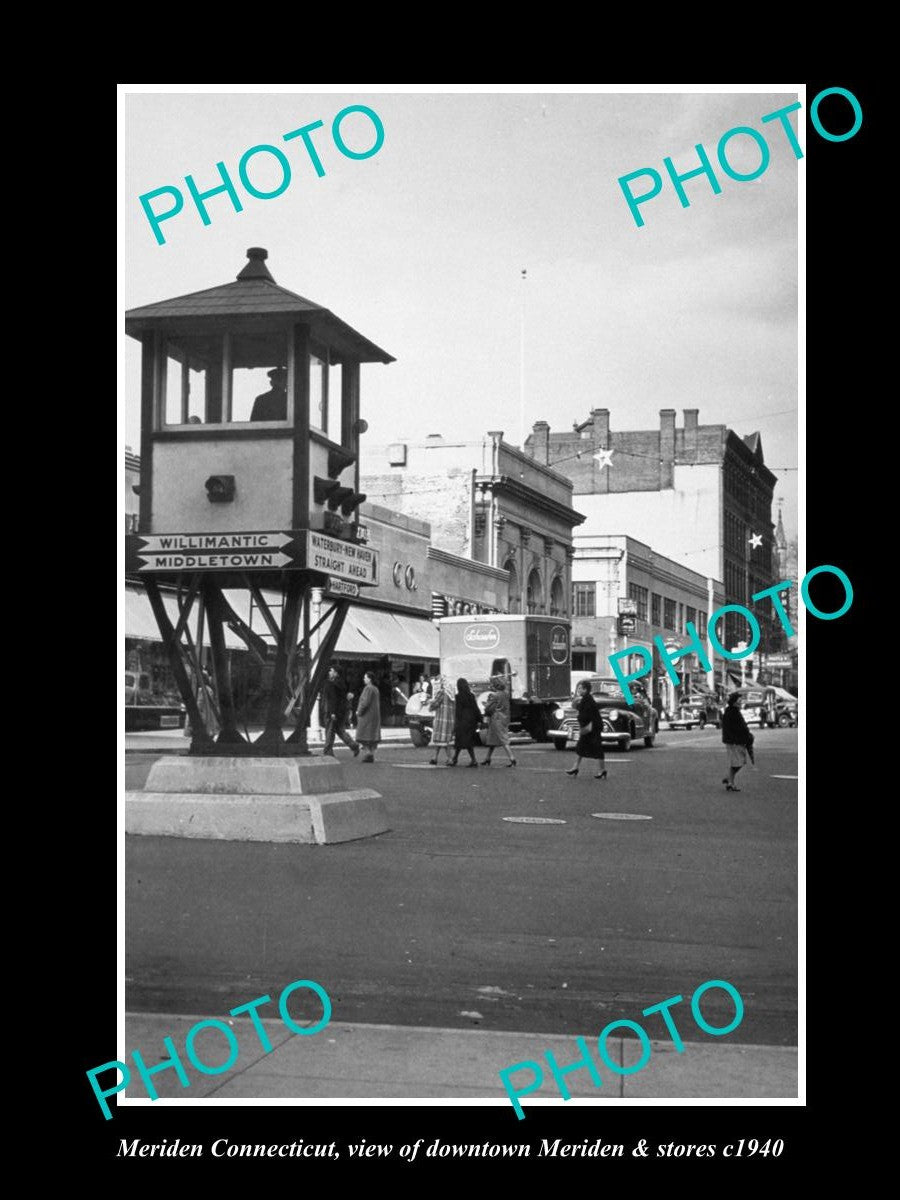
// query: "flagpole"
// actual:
[[522, 365]]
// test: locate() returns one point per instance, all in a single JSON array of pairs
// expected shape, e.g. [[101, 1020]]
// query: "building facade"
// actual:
[[488, 502], [624, 594], [701, 492]]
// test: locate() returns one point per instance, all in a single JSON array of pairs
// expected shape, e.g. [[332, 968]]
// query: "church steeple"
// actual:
[[781, 544]]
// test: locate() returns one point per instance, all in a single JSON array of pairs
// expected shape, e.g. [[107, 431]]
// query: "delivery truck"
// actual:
[[530, 653]]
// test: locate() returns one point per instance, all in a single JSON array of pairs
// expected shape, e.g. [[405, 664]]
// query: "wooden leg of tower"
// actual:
[[201, 737], [229, 735], [318, 667], [287, 638]]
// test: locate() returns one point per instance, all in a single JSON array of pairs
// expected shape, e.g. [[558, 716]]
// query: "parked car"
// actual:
[[623, 723], [758, 705], [786, 712], [698, 710], [145, 710]]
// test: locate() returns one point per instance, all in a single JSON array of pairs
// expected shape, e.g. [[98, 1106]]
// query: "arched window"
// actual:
[[535, 592], [515, 594], [557, 598]]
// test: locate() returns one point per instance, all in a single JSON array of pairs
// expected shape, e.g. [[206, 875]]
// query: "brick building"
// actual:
[[700, 493], [489, 502], [614, 574]]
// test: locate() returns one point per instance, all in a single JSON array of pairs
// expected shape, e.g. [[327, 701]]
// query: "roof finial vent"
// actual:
[[256, 265]]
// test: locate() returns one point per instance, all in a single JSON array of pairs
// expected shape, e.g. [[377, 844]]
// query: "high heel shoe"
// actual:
[[486, 763], [511, 763], [432, 762], [602, 775], [573, 771]]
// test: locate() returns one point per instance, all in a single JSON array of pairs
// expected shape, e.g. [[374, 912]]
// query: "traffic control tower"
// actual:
[[250, 428]]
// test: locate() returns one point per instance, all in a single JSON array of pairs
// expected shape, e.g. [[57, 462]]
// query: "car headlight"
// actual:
[[559, 713], [612, 714]]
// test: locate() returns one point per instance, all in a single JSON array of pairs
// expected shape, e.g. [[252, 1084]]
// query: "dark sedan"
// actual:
[[623, 723]]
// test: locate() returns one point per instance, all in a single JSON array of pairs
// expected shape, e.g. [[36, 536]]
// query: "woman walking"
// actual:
[[497, 712], [468, 718], [368, 718], [738, 741], [590, 723], [444, 710]]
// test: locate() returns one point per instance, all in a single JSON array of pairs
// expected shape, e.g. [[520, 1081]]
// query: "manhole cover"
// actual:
[[622, 816], [535, 820]]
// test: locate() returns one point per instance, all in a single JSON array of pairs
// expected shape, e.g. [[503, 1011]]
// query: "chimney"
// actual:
[[540, 442], [667, 447], [600, 417], [496, 436], [691, 421]]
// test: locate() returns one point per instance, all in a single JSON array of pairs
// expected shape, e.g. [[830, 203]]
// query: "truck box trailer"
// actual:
[[530, 653]]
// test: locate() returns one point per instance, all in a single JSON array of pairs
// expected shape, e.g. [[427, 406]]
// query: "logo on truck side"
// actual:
[[559, 645], [481, 637]]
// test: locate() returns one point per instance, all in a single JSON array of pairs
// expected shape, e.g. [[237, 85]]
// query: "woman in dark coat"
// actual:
[[590, 741], [368, 718], [738, 741], [468, 718]]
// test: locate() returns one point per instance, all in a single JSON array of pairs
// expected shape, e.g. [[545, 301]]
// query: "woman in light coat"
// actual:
[[368, 718], [444, 708], [497, 712]]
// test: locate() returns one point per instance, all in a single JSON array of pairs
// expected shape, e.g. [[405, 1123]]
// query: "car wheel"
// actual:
[[625, 744], [783, 721], [559, 743], [701, 723]]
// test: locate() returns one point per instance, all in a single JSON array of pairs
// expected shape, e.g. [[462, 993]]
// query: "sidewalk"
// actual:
[[173, 740], [350, 1060]]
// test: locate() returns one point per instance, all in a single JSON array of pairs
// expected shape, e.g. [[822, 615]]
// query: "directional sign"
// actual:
[[218, 560], [168, 543], [347, 560], [257, 550], [341, 587]]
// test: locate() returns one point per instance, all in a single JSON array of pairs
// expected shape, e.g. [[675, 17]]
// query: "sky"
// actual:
[[421, 248]]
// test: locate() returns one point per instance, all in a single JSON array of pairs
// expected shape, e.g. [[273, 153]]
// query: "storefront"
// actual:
[[396, 647]]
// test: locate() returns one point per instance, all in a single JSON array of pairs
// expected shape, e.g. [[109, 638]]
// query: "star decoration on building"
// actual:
[[755, 540], [603, 458]]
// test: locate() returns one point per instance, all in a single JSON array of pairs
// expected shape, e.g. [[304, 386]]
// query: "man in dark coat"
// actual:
[[334, 713], [368, 714], [738, 740], [272, 405]]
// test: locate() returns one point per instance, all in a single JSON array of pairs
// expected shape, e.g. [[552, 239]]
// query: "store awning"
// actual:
[[367, 632], [140, 622], [370, 632]]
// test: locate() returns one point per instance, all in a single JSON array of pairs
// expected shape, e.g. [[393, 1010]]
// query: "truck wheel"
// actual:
[[783, 721], [559, 743]]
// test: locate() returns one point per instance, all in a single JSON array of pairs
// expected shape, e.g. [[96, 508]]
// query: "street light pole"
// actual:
[[710, 609]]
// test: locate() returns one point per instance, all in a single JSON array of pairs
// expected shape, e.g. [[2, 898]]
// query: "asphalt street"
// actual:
[[460, 918]]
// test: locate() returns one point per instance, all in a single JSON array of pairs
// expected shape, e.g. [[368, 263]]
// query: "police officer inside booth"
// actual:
[[272, 405]]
